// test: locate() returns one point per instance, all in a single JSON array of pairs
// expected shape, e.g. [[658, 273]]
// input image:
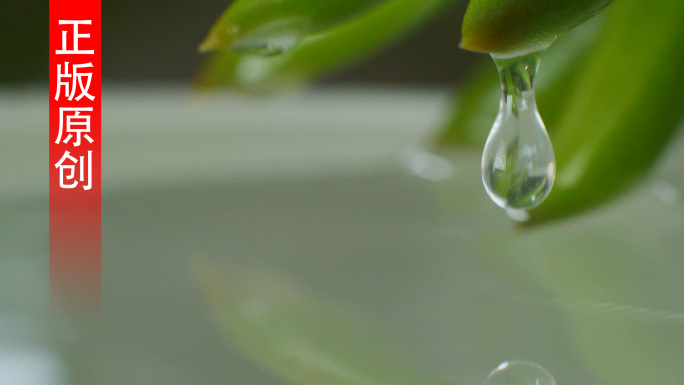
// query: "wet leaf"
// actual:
[[319, 53], [520, 26]]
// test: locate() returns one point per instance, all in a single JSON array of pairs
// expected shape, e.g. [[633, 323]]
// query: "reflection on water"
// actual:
[[609, 309], [297, 335], [666, 192], [373, 279], [519, 373], [426, 165], [30, 366], [26, 356]]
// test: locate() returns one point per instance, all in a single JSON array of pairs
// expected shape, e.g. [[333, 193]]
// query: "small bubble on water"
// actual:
[[519, 373]]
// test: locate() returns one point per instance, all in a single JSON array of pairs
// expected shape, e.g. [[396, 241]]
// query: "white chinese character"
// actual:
[[72, 169], [75, 50], [61, 83], [72, 121], [76, 77]]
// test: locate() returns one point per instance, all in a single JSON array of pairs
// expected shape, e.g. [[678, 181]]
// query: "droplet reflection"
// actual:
[[426, 165], [519, 373]]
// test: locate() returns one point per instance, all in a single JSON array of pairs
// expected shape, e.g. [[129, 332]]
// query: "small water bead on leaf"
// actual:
[[519, 373], [518, 163], [267, 39], [272, 27], [267, 47], [270, 39]]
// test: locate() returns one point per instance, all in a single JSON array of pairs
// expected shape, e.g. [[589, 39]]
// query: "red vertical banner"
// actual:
[[75, 154]]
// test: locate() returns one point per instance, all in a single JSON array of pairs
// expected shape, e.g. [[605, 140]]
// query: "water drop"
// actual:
[[267, 47], [519, 373], [273, 38], [518, 164]]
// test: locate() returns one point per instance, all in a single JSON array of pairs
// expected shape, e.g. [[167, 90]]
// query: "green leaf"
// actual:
[[299, 336], [319, 53], [625, 107], [249, 23], [477, 104], [512, 27]]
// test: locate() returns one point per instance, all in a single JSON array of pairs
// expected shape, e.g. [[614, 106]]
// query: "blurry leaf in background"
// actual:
[[477, 104], [255, 24], [297, 336], [517, 26], [623, 110], [319, 53]]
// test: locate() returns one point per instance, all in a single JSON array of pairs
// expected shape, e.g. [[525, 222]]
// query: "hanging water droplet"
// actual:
[[519, 373], [518, 164]]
